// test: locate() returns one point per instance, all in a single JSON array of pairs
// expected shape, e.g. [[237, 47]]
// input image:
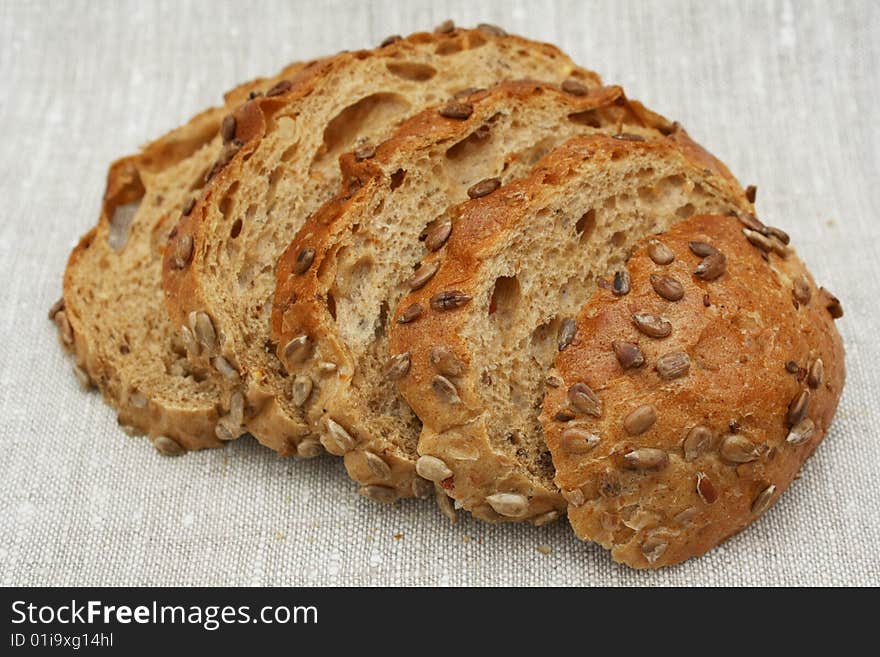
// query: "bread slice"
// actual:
[[112, 315], [364, 247], [287, 167], [699, 436], [517, 267]]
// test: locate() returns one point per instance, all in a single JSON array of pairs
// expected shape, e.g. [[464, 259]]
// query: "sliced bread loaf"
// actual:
[[286, 167], [700, 430], [518, 265], [112, 315], [357, 256]]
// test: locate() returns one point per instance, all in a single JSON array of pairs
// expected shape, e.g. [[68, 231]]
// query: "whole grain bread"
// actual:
[[357, 256], [700, 431], [518, 265], [288, 143], [112, 315]]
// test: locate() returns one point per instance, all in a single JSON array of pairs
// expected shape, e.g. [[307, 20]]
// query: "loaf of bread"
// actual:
[[112, 315], [518, 265], [285, 167], [358, 255], [686, 406]]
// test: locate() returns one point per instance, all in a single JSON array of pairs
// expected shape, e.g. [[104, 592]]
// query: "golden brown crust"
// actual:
[[188, 424], [301, 298], [185, 289], [479, 226], [721, 447]]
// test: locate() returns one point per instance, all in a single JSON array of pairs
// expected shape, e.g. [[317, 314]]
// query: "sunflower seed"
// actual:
[[456, 111], [711, 267], [751, 193], [182, 251], [792, 367], [432, 468], [484, 187], [377, 466], [444, 503], [365, 152], [779, 234], [574, 496], [698, 441], [582, 397], [445, 27], [545, 518], [225, 367], [621, 284], [667, 287], [397, 366], [421, 488], [203, 329], [653, 326], [567, 331], [628, 354], [189, 341], [227, 128], [640, 420], [577, 441], [758, 239], [706, 489], [653, 549], [798, 407], [445, 390], [387, 41], [438, 233], [309, 448], [609, 484], [751, 222], [449, 299], [279, 88], [738, 449], [301, 389], [801, 290], [445, 361], [422, 275], [167, 446], [564, 415], [801, 432], [326, 367], [410, 314], [660, 253], [575, 88], [673, 365], [84, 380], [64, 328], [297, 350], [138, 399], [491, 30], [304, 260], [236, 408], [340, 441], [553, 379], [57, 307], [816, 377], [646, 458], [702, 249], [762, 501], [511, 505], [382, 494], [187, 208], [224, 431], [832, 303]]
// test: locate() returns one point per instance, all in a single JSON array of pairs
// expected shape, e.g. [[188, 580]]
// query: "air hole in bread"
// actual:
[[397, 179], [274, 178], [585, 225], [228, 202], [618, 239], [289, 152], [120, 222], [411, 71], [467, 146], [587, 117], [369, 115], [235, 230], [381, 320], [505, 298], [449, 47], [331, 305], [536, 151], [685, 211]]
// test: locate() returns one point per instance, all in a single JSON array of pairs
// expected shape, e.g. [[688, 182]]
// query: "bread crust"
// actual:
[[269, 418], [681, 492], [171, 424], [457, 433]]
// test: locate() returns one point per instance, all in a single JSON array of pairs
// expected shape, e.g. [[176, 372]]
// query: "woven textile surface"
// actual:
[[785, 92]]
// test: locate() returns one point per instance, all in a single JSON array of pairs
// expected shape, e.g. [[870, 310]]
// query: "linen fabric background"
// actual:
[[785, 92]]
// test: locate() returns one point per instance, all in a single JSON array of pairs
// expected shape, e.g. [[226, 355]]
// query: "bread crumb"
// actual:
[[545, 549], [398, 536], [465, 539], [279, 536], [830, 223]]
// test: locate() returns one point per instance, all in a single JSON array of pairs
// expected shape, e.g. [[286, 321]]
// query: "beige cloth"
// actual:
[[784, 92]]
